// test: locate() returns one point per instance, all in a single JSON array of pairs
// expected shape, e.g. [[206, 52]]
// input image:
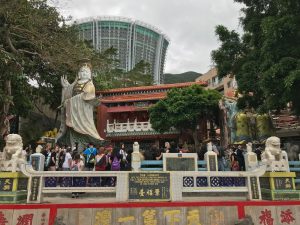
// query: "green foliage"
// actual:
[[181, 77], [36, 47], [108, 75], [266, 59], [184, 108], [106, 71], [140, 75]]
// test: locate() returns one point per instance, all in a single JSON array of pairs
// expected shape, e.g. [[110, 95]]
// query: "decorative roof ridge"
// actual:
[[153, 87]]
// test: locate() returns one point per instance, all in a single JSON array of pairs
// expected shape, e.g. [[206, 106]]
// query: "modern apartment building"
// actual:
[[134, 40], [226, 86]]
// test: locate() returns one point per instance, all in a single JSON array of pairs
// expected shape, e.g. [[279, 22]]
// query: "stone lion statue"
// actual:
[[12, 153], [273, 156], [272, 151]]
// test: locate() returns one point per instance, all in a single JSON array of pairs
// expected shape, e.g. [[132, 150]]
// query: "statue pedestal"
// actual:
[[279, 186], [13, 187]]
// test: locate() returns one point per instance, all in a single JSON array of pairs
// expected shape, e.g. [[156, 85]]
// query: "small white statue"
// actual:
[[251, 162], [273, 156], [38, 149], [136, 157], [249, 147], [209, 146], [12, 153]]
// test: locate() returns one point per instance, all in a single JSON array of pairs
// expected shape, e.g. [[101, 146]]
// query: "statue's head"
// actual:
[[13, 143], [85, 72], [273, 145], [13, 140]]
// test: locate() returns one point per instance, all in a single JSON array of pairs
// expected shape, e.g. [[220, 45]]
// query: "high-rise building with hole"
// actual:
[[134, 40]]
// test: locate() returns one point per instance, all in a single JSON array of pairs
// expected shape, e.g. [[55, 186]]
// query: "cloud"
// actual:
[[190, 24]]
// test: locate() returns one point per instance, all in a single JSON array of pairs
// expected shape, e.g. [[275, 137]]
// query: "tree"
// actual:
[[36, 48], [184, 109], [106, 69], [266, 58], [140, 75]]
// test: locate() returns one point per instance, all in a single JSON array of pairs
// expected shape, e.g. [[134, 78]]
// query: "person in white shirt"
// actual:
[[68, 161]]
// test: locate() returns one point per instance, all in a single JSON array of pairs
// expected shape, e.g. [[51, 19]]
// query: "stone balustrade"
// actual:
[[128, 127], [45, 182]]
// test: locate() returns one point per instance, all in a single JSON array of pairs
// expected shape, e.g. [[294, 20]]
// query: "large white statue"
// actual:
[[78, 102], [12, 153], [274, 157]]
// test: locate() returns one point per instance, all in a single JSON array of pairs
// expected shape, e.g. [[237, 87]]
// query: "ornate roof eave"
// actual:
[[153, 87]]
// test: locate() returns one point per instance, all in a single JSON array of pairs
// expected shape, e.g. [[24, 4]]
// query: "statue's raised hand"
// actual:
[[64, 82]]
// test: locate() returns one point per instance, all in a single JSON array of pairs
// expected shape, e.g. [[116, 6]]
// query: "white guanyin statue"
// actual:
[[78, 102]]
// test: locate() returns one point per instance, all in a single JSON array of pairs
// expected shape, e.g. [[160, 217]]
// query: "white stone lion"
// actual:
[[272, 151], [273, 156], [12, 153]]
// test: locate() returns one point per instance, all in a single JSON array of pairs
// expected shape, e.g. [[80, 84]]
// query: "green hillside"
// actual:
[[171, 78]]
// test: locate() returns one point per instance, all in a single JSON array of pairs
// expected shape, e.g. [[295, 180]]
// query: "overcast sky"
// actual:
[[190, 24]]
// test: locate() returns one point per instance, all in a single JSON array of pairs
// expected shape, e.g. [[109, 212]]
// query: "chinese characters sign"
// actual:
[[273, 215], [212, 163], [254, 188], [24, 217], [35, 183], [203, 215], [283, 183], [6, 184], [149, 186]]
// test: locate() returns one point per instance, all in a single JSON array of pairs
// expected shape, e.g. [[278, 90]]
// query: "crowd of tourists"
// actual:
[[91, 159], [100, 158], [118, 158], [232, 158]]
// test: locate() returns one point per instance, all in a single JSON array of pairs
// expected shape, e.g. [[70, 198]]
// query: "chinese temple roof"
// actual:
[[153, 87], [134, 97]]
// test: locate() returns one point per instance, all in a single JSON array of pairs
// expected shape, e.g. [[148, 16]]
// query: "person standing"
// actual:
[[234, 161], [240, 158], [167, 147], [123, 155], [100, 165], [115, 160], [47, 154], [89, 155], [181, 149], [52, 164], [77, 165], [66, 166], [100, 160]]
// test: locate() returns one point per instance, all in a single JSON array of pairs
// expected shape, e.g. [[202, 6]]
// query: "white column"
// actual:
[[122, 187], [136, 159], [211, 158]]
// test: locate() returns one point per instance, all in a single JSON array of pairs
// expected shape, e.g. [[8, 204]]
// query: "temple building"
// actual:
[[123, 115]]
